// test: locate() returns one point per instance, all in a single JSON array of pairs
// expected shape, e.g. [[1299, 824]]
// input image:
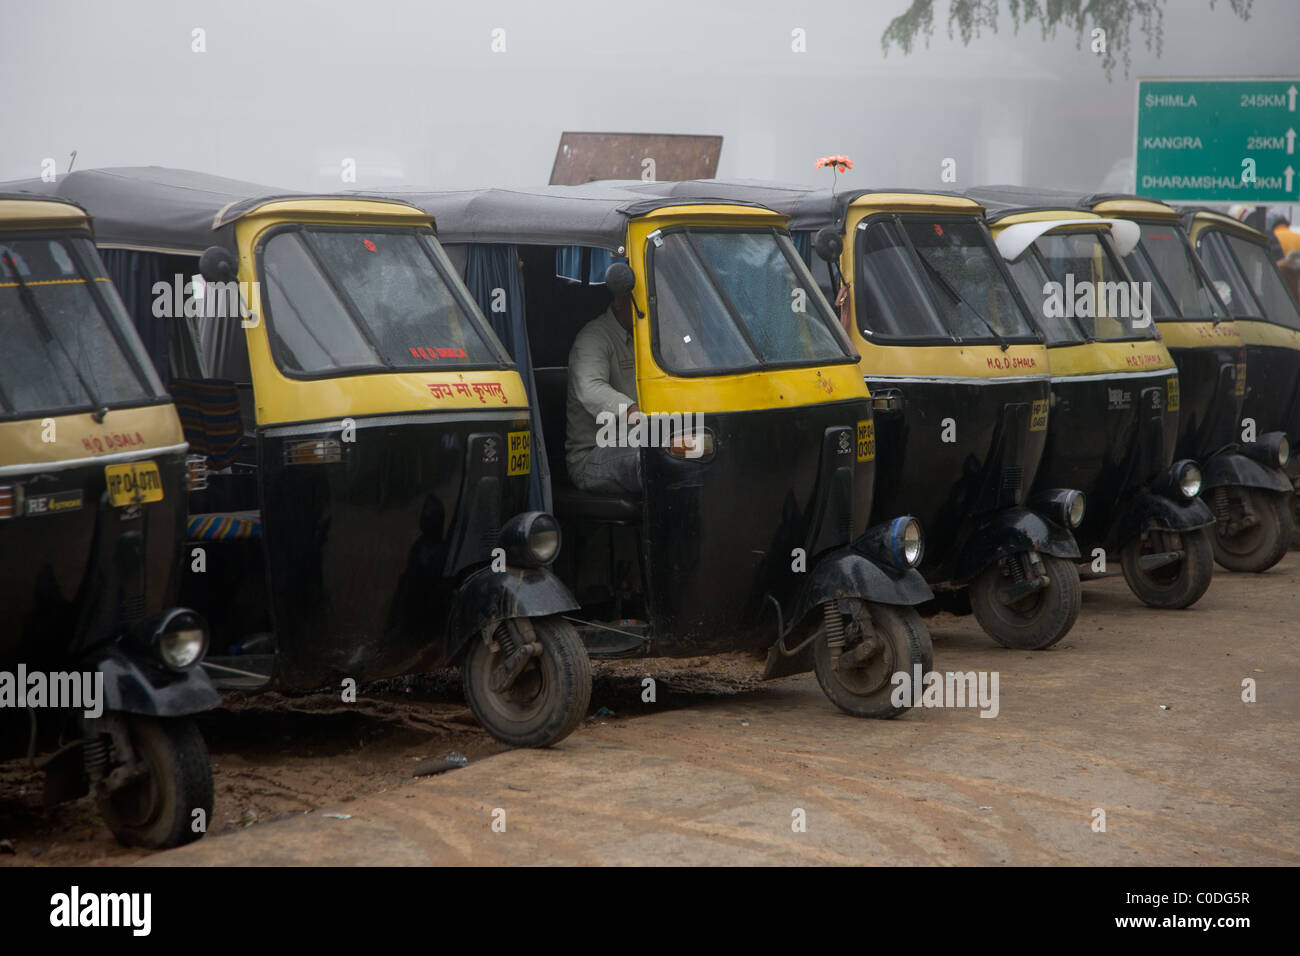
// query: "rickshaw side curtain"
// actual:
[[134, 274], [490, 267], [568, 264]]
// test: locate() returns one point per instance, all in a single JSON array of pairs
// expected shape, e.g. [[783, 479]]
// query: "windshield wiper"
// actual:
[[957, 297], [43, 326]]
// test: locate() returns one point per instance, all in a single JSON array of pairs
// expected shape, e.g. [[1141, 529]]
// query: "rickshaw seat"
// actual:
[[572, 502], [569, 501]]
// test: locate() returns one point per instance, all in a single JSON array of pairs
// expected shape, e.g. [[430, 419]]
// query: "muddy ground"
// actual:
[[1136, 712]]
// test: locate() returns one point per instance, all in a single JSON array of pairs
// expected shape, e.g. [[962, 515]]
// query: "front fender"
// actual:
[[487, 597], [1236, 469], [1012, 531], [1150, 510], [847, 574], [136, 686]]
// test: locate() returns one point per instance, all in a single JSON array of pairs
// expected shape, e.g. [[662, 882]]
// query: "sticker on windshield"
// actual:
[[1038, 416], [425, 352]]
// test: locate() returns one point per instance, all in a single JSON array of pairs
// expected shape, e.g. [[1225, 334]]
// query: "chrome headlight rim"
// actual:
[[531, 539], [906, 542], [1074, 508], [1189, 479], [180, 640]]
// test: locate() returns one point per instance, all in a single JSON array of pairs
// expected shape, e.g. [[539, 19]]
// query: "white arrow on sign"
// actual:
[[1288, 172], [1290, 141], [1291, 98]]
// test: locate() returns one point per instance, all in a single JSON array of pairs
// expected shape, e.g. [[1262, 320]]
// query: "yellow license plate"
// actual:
[[519, 445], [133, 483], [1241, 378], [866, 441], [1038, 416], [1171, 393]]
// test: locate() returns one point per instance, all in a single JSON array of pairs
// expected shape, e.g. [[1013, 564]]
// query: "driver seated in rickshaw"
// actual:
[[602, 387]]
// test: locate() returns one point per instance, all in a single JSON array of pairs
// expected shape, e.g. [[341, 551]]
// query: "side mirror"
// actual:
[[217, 265], [620, 279], [828, 244]]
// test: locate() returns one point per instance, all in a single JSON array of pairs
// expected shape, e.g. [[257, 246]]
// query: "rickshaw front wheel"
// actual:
[[547, 691], [1264, 543], [1035, 620], [156, 808], [878, 641], [1178, 584]]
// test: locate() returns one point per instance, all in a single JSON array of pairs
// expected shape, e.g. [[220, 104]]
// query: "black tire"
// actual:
[[865, 689], [548, 699], [1036, 621], [156, 810], [1263, 545], [1177, 585]]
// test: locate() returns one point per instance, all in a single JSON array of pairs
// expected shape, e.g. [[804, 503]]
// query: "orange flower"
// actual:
[[837, 162]]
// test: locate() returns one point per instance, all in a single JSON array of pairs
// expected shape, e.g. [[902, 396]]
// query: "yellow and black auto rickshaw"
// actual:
[[364, 442], [1115, 395], [1254, 292], [959, 380], [751, 533], [1244, 483], [99, 673]]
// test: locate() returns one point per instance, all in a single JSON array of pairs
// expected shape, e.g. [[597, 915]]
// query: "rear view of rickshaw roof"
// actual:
[[25, 211], [1001, 201], [157, 208], [808, 207], [1222, 220], [593, 214]]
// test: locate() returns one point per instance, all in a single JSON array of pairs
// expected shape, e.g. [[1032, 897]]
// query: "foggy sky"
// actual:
[[413, 93]]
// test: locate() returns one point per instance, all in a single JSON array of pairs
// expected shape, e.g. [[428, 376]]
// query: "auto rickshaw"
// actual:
[[960, 388], [365, 441], [752, 533], [1115, 395], [99, 676], [1253, 290], [1244, 483]]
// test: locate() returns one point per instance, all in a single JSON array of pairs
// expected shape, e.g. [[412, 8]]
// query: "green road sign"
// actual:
[[1218, 140]]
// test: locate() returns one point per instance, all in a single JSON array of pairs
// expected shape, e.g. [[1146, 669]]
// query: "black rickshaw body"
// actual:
[[731, 549], [1237, 259], [1115, 387], [378, 456], [960, 425], [93, 490]]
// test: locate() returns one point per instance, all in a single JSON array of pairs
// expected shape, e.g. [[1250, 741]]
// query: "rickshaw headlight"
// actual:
[[1189, 479], [911, 543], [531, 539], [1283, 451], [1076, 506], [1272, 450], [179, 638]]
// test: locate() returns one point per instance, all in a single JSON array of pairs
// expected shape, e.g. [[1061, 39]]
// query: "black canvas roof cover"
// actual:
[[153, 207], [1004, 200], [809, 207], [593, 214]]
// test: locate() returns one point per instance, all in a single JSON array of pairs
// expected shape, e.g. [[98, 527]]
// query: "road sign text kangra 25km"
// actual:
[[1218, 140]]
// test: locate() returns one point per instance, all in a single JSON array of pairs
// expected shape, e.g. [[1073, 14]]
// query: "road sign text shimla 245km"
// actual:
[[1194, 137]]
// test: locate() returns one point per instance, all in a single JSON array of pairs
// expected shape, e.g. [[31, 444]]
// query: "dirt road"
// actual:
[[1136, 713]]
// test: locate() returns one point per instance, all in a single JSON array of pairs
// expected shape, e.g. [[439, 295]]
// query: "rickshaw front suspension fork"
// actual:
[[833, 626], [1230, 526], [515, 654], [1027, 576], [108, 741], [1158, 559]]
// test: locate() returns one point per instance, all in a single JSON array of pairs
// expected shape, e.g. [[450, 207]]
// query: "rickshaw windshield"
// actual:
[[1236, 293], [928, 279], [382, 299], [1262, 275], [1105, 306], [1164, 258], [728, 300], [68, 343]]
